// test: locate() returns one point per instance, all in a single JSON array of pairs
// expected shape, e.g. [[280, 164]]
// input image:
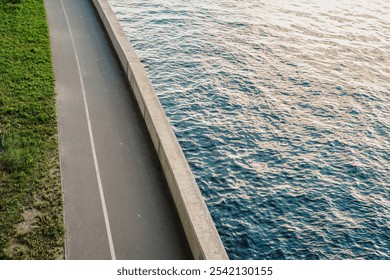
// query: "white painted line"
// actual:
[[99, 180]]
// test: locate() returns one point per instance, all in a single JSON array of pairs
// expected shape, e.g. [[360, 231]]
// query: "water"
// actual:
[[282, 109]]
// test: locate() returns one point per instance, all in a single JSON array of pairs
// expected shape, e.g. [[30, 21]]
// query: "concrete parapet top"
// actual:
[[200, 230]]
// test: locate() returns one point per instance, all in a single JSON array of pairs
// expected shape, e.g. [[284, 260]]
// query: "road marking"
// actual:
[[99, 180]]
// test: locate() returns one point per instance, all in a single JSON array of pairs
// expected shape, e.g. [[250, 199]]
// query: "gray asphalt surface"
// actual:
[[117, 202]]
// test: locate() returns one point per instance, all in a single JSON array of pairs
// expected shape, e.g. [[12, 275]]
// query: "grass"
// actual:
[[31, 204]]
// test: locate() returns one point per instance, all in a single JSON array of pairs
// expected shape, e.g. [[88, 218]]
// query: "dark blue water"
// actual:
[[283, 112]]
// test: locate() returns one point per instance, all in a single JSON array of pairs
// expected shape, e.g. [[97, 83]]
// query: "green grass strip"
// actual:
[[31, 204]]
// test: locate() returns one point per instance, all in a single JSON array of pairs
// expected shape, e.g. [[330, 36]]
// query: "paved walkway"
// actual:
[[117, 203]]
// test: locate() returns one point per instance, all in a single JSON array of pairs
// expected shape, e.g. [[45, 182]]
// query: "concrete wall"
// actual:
[[198, 225]]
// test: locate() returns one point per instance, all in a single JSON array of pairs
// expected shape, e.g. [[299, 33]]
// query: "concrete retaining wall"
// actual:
[[198, 225]]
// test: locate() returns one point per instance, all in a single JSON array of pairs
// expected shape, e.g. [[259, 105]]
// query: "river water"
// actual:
[[282, 109]]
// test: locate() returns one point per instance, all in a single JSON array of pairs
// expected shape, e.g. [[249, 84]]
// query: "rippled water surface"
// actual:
[[282, 109]]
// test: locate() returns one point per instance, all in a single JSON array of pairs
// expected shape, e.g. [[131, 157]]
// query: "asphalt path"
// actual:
[[117, 202]]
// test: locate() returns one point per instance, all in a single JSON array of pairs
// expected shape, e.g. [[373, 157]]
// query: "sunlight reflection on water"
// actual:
[[282, 109]]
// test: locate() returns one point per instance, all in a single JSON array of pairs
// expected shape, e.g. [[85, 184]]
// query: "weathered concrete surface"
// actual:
[[117, 203], [198, 225]]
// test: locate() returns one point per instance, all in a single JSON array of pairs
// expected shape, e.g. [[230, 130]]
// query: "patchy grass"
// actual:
[[31, 204]]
